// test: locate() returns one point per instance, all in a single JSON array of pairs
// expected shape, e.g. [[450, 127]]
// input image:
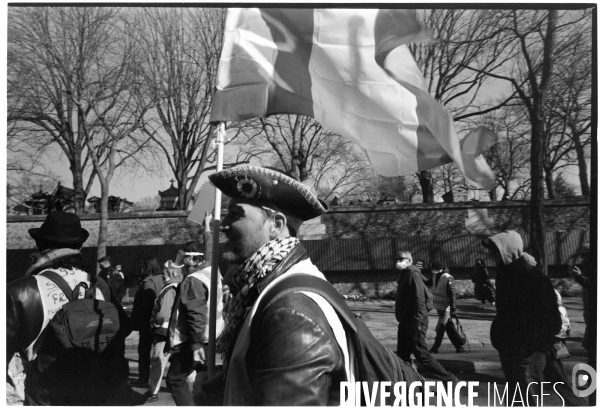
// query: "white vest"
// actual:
[[203, 276], [440, 292]]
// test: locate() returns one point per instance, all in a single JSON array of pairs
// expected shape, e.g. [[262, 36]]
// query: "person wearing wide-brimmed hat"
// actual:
[[294, 358], [32, 300]]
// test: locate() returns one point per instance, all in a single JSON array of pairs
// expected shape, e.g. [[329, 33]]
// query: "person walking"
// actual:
[[187, 336], [288, 354], [33, 299], [444, 301], [159, 324], [412, 300], [117, 285], [527, 317], [484, 291], [582, 276], [143, 304]]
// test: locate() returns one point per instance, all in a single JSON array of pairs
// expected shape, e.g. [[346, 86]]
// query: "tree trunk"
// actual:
[[426, 182], [80, 194], [549, 184], [539, 144], [182, 198], [581, 164], [536, 224], [103, 231]]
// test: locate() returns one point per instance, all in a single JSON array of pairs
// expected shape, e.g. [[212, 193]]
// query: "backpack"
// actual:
[[81, 360], [375, 362], [455, 333]]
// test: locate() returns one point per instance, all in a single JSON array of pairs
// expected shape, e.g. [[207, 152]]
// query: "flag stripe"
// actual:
[[291, 88]]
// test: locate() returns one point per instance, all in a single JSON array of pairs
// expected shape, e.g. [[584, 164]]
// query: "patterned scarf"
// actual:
[[246, 279], [47, 259]]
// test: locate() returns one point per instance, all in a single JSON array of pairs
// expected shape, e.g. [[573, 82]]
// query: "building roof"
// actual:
[[170, 192]]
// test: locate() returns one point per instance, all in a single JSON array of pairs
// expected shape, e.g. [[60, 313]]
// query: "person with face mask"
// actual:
[[413, 319]]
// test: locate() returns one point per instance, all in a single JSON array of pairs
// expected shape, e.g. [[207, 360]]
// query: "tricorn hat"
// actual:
[[272, 187], [60, 227]]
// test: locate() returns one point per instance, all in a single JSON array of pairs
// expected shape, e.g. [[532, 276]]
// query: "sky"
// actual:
[[136, 187]]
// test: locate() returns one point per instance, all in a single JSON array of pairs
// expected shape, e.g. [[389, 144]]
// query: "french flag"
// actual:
[[351, 71]]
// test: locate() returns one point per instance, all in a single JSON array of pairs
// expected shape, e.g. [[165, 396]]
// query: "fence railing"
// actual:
[[344, 254]]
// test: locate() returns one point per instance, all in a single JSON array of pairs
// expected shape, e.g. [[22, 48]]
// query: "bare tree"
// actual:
[[53, 53], [116, 105], [538, 37], [465, 39], [571, 97], [182, 49], [301, 147], [509, 158]]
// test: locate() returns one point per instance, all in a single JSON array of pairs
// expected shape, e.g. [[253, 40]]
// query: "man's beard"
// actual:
[[236, 250]]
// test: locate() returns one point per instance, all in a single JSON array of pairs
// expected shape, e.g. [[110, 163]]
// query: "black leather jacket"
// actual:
[[293, 357], [24, 313]]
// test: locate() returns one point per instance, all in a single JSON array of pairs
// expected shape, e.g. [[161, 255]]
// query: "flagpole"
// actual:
[[212, 327]]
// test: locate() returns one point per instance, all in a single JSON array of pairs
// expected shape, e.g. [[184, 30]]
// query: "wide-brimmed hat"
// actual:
[[270, 187], [60, 227]]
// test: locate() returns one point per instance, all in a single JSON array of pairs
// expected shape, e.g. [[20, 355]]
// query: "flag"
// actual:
[[205, 202], [352, 71]]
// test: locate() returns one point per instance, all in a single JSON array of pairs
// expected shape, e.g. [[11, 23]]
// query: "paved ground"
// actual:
[[479, 364]]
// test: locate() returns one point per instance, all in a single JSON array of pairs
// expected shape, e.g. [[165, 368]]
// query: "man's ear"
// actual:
[[279, 226]]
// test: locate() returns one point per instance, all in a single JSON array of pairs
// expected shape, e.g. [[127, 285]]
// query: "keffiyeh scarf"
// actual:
[[47, 259], [246, 279]]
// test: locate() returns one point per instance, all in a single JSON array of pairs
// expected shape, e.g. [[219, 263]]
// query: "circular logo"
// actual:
[[248, 188]]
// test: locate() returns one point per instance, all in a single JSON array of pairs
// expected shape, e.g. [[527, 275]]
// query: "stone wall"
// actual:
[[142, 228], [125, 229], [441, 219]]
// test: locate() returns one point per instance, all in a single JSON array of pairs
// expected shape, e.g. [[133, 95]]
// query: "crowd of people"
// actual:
[[291, 350]]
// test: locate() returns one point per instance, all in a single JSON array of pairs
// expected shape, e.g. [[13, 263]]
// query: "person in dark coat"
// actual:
[[106, 269], [582, 276], [33, 299], [413, 318], [527, 317], [293, 358], [483, 287], [117, 285], [141, 313]]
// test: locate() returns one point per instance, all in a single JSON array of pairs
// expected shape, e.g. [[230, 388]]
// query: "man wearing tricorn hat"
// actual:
[[32, 300], [294, 357]]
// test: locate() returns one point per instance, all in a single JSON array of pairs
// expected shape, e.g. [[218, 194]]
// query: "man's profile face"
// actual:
[[104, 264], [246, 228]]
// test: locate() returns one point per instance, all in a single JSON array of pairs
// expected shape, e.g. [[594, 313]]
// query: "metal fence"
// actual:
[[345, 254]]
